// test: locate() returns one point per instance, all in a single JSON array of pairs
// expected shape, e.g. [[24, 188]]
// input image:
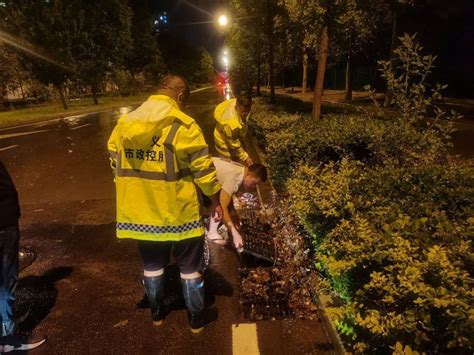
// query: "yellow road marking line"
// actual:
[[244, 339]]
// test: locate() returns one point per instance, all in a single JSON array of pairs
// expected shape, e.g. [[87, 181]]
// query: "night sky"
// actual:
[[447, 30], [182, 15]]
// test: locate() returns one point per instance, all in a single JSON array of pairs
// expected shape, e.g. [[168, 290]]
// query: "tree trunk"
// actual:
[[349, 78], [292, 81], [94, 94], [271, 63], [318, 89], [62, 96], [305, 73], [23, 96], [259, 76], [2, 95], [389, 93]]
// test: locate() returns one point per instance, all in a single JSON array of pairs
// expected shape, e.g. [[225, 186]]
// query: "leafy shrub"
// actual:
[[407, 78], [390, 214], [265, 121], [401, 238], [289, 140]]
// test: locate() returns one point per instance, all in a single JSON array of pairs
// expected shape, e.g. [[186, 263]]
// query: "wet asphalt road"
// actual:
[[84, 285]]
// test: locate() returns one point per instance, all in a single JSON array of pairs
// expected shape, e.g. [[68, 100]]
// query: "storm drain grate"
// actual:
[[250, 217], [258, 240], [261, 295]]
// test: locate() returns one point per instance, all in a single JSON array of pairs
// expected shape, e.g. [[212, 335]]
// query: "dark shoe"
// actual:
[[16, 343], [202, 319]]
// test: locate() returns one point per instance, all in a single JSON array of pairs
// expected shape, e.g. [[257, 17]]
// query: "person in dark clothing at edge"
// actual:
[[9, 245]]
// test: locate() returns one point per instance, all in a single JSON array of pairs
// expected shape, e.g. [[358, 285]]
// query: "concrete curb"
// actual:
[[331, 332]]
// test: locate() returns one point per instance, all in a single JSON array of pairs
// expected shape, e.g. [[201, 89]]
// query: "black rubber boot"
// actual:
[[155, 291], [199, 314]]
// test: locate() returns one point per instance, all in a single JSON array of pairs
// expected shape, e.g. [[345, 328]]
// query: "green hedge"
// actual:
[[289, 139], [392, 221]]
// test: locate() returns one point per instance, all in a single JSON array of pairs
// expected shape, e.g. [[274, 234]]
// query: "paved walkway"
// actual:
[[463, 106], [334, 101]]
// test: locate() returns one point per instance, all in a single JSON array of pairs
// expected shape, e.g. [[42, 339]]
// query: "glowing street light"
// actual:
[[225, 59], [223, 20]]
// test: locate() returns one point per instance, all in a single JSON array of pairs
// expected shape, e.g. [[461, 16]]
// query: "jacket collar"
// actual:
[[176, 112], [168, 99]]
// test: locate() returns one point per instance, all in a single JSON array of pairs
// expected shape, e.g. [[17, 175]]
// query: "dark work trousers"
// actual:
[[9, 237]]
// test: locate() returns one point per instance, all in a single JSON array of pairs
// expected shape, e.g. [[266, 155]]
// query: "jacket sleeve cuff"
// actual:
[[243, 156], [211, 189]]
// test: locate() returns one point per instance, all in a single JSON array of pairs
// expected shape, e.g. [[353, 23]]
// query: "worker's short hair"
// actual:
[[244, 99], [175, 83], [259, 170]]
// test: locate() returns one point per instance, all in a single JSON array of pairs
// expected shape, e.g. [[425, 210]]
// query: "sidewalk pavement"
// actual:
[[463, 106]]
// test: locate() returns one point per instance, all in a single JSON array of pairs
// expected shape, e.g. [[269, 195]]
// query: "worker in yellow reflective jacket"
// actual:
[[159, 156], [231, 128]]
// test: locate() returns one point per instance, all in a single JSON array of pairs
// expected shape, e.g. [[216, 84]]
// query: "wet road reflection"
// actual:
[[66, 159]]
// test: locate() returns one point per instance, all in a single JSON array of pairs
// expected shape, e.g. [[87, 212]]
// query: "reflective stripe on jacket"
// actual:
[[159, 154], [230, 130]]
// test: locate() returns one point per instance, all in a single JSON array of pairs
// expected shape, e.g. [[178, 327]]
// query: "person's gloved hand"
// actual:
[[237, 239]]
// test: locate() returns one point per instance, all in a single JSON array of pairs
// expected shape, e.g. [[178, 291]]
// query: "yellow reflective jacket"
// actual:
[[159, 154], [230, 130]]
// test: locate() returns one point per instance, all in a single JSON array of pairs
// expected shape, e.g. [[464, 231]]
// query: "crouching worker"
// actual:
[[232, 176], [231, 128], [159, 156]]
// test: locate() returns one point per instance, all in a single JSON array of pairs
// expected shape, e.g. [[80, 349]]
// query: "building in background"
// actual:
[[161, 22]]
